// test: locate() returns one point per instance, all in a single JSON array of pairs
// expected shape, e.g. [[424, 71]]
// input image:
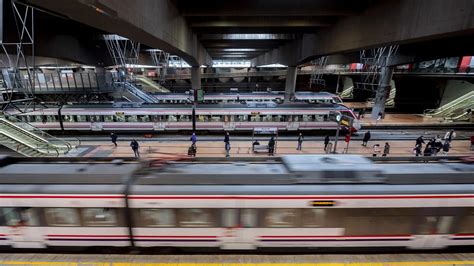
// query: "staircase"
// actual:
[[34, 143], [135, 94], [347, 93], [455, 109]]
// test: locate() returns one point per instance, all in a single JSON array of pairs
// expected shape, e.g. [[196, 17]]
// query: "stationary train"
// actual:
[[302, 201], [235, 117], [235, 97]]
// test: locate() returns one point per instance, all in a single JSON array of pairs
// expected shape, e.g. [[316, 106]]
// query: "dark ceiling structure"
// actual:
[[246, 29]]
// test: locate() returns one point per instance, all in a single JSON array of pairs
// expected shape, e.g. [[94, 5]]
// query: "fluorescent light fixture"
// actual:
[[273, 65], [239, 50]]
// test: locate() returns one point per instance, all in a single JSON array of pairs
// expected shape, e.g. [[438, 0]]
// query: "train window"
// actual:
[[184, 118], [267, 118], [242, 118], [444, 224], [319, 118], [108, 118], [172, 118], [143, 118], [281, 218], [131, 118], [308, 118], [216, 118], [20, 216], [68, 118], [313, 217], [62, 217], [377, 221], [99, 217], [427, 226], [196, 218], [229, 217], [81, 118], [466, 225], [157, 217], [255, 118], [120, 117], [248, 218]]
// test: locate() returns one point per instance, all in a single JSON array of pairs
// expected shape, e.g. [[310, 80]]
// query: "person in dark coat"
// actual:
[[271, 146], [226, 138], [420, 140], [326, 142], [446, 147], [386, 149], [300, 141], [366, 138], [113, 138], [135, 147], [417, 149], [193, 138]]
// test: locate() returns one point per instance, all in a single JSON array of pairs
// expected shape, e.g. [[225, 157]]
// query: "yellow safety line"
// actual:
[[409, 263]]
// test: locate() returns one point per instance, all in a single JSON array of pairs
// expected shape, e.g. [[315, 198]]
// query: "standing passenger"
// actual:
[[445, 147], [227, 150], [193, 138], [113, 137], [300, 141], [366, 138], [450, 135], [226, 138], [376, 150], [271, 146], [135, 147], [417, 149], [326, 142], [386, 149], [420, 141]]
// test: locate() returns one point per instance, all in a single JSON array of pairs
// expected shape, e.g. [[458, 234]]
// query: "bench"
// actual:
[[260, 148]]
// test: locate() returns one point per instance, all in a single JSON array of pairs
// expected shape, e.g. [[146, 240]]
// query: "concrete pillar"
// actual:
[[100, 76], [196, 78], [290, 83], [382, 91]]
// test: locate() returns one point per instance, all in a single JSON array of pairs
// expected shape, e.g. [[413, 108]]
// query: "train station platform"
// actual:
[[416, 259], [165, 148], [409, 120]]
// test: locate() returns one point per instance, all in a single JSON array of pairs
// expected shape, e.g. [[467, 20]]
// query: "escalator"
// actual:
[[453, 108], [134, 94], [16, 136], [150, 86]]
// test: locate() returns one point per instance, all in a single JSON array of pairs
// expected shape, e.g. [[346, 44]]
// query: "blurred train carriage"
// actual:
[[234, 117], [302, 201]]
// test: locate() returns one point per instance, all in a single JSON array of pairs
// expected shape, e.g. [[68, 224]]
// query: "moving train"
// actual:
[[300, 201], [236, 117], [235, 97]]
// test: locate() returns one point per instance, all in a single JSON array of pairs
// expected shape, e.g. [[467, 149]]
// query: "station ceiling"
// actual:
[[245, 29]]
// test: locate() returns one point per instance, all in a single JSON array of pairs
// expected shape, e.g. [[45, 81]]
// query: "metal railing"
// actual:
[[28, 135]]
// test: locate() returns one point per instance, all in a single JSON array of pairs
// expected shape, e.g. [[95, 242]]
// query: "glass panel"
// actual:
[[11, 216], [109, 118], [20, 216], [444, 224], [131, 118], [196, 218], [466, 225], [99, 217], [427, 226], [313, 217], [62, 217], [229, 217], [248, 217], [281, 218], [158, 217], [172, 118]]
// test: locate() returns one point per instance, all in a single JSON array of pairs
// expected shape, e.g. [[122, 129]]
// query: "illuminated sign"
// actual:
[[322, 203]]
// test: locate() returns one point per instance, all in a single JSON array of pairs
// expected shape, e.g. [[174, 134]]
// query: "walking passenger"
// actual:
[[271, 146], [450, 135], [193, 138], [386, 149], [227, 150], [135, 147], [417, 150], [226, 138], [376, 150], [446, 147], [113, 137], [326, 142], [420, 141], [366, 138], [300, 141]]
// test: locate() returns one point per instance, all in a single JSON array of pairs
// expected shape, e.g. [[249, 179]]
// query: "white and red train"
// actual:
[[243, 97], [236, 117], [301, 201]]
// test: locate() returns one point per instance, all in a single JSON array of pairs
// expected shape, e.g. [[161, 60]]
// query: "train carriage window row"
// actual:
[[368, 221]]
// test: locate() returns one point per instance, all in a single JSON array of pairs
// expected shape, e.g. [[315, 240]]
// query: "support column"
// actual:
[[196, 78], [383, 91], [100, 77], [290, 83]]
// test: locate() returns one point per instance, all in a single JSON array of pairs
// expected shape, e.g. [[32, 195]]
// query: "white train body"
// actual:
[[208, 205]]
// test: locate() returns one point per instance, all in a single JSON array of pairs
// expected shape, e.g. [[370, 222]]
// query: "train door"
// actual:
[[432, 230], [23, 227], [234, 223]]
